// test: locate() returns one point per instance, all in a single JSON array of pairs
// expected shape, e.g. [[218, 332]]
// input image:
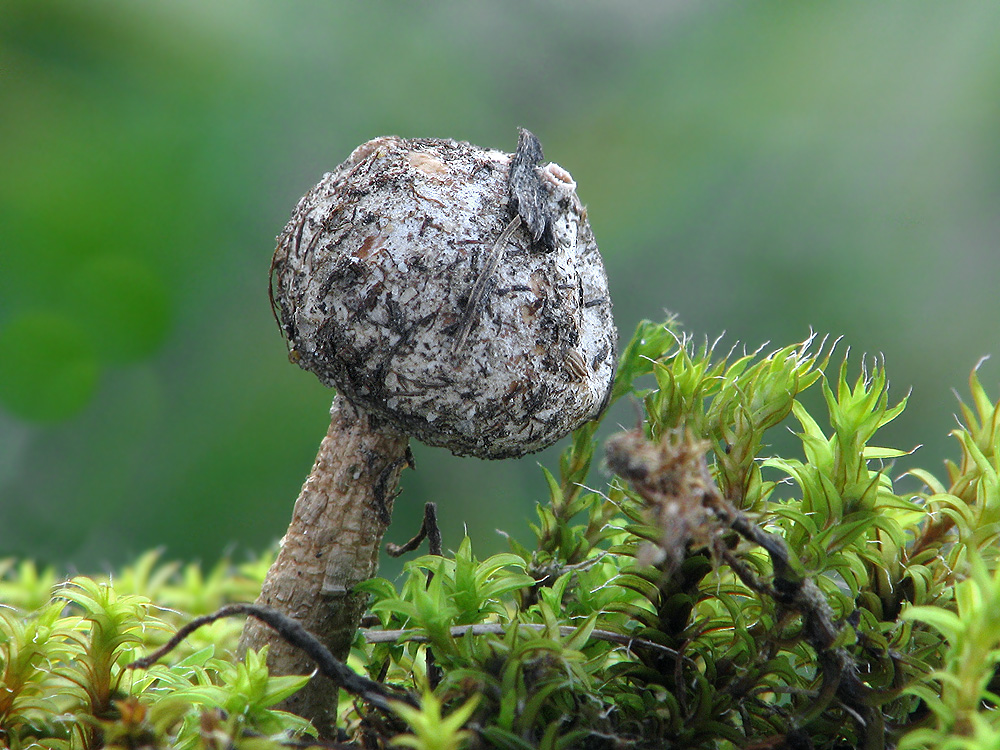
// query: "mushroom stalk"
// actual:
[[450, 293], [331, 545]]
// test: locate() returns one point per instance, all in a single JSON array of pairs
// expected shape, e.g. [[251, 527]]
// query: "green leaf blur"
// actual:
[[761, 169]]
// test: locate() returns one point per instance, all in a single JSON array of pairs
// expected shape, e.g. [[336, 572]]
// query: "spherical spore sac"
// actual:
[[371, 281]]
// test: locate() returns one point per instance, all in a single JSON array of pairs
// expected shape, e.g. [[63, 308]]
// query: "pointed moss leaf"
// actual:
[[535, 702], [197, 659], [555, 491], [873, 452], [932, 482], [519, 549], [983, 462], [279, 688], [380, 588], [640, 614], [947, 623], [639, 584], [921, 577], [984, 404], [804, 521], [490, 565], [581, 635], [848, 529], [650, 342], [893, 412]]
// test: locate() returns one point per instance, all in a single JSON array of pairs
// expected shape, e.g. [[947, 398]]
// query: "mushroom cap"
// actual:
[[372, 278]]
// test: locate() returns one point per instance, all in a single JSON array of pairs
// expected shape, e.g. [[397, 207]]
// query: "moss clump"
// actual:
[[710, 595]]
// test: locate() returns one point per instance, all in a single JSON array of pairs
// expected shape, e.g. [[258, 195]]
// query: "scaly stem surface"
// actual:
[[331, 545]]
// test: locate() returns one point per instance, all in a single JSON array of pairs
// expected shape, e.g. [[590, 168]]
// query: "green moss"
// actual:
[[722, 597]]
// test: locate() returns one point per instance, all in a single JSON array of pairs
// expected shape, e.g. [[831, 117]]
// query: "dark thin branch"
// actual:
[[743, 572], [489, 628], [672, 477], [429, 529], [291, 631]]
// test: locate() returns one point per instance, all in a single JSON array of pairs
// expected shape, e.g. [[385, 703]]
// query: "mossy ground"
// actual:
[[734, 598]]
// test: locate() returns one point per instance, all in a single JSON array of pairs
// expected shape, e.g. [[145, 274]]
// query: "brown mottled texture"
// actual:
[[331, 545]]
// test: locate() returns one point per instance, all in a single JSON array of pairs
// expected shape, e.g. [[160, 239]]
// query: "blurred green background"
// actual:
[[759, 169]]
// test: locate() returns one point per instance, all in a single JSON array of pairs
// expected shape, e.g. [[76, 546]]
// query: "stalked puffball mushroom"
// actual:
[[450, 293], [374, 276]]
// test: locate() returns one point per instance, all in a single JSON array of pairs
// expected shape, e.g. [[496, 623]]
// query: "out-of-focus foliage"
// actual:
[[757, 168]]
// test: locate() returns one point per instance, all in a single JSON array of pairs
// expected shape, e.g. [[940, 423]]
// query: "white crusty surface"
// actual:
[[371, 280]]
